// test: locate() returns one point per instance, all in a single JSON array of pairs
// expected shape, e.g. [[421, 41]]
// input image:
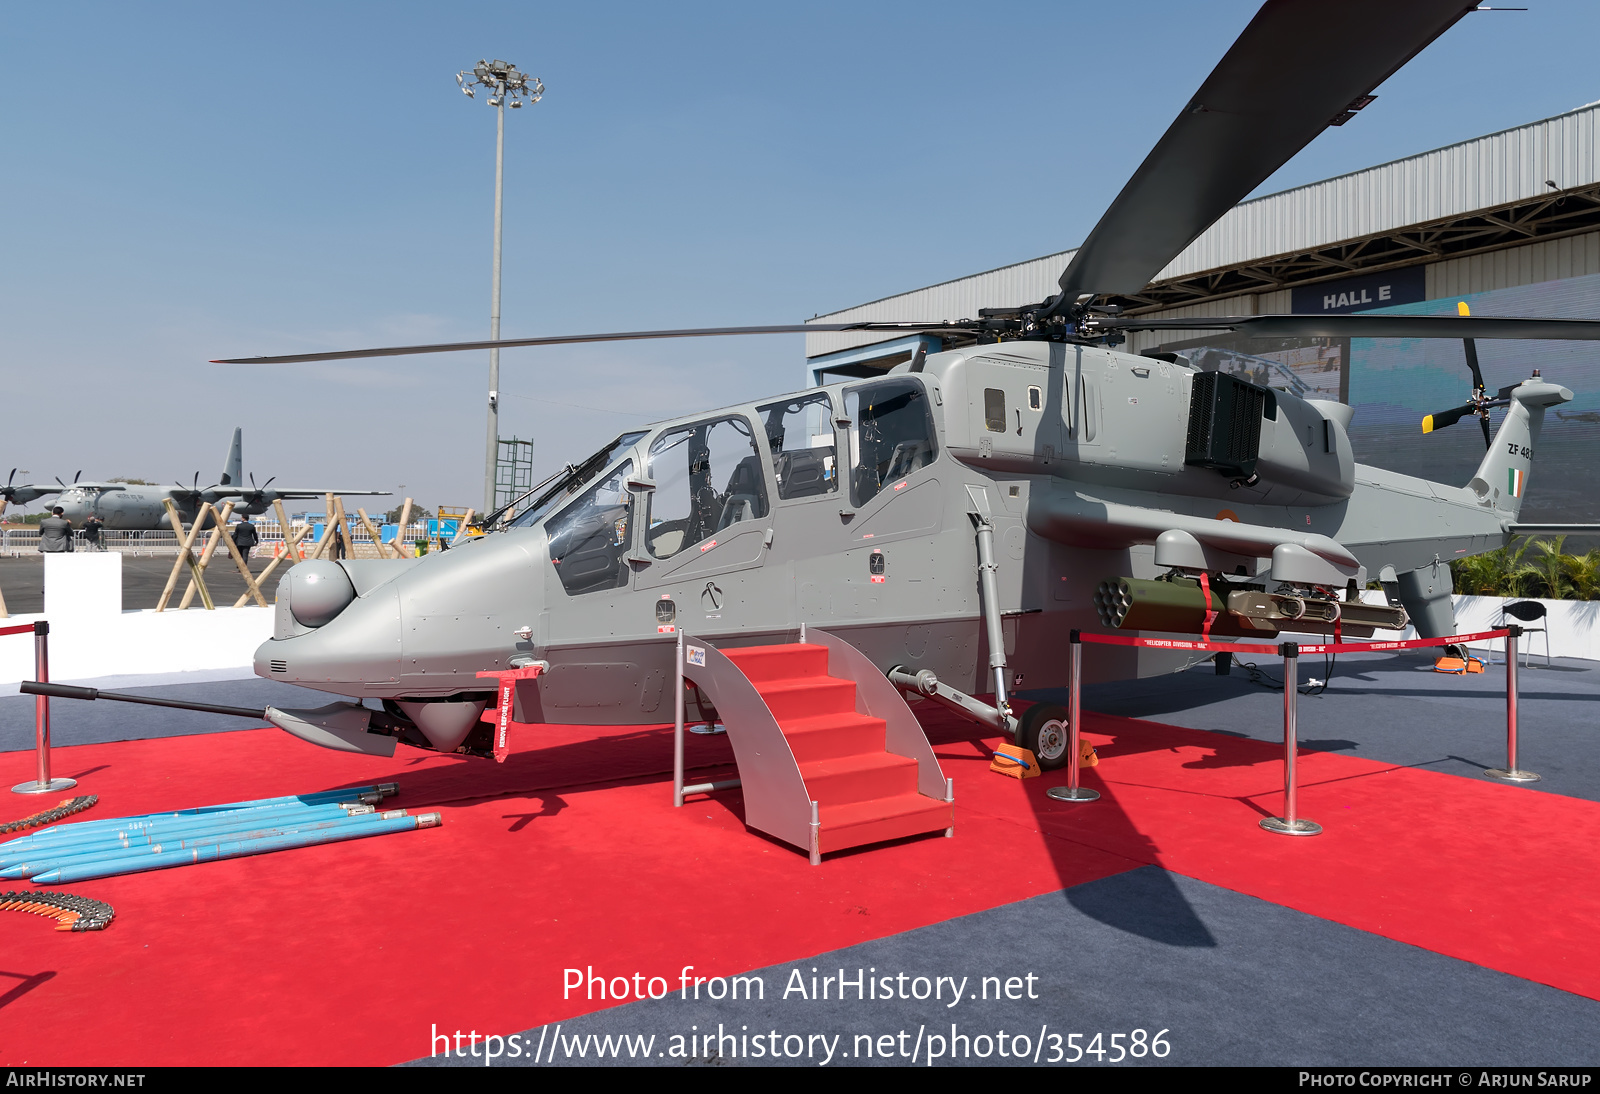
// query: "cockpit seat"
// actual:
[[908, 456], [738, 507], [802, 473]]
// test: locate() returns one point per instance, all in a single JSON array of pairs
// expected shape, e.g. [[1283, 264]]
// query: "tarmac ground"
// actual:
[[143, 578]]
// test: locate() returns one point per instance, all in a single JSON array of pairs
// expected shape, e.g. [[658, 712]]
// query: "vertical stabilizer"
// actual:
[[233, 470], [1502, 479]]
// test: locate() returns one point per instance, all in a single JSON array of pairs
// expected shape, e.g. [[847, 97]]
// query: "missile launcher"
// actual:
[[1182, 605]]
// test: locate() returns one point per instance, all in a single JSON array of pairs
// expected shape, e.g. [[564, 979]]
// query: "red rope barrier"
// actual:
[[26, 628], [1361, 647], [1271, 648]]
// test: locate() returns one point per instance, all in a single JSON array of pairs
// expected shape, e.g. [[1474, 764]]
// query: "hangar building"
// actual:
[[1508, 223]]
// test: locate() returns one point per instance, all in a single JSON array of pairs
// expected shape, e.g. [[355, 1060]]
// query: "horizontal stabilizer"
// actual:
[[1554, 529]]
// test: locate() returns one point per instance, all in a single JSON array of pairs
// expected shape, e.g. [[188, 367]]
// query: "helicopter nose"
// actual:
[[326, 637], [425, 631]]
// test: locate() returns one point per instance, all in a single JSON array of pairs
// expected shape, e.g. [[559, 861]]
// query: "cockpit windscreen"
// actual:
[[574, 481]]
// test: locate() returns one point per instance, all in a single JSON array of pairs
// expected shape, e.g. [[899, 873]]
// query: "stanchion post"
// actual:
[[1511, 773], [677, 722], [41, 718], [1072, 792], [816, 836], [1290, 824]]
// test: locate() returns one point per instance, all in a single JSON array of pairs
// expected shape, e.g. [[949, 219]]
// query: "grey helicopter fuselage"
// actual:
[[852, 507]]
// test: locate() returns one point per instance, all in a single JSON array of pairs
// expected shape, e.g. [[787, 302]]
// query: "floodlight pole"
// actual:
[[507, 83], [492, 457]]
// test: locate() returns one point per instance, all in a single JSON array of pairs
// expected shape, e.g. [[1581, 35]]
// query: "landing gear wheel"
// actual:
[[1043, 731]]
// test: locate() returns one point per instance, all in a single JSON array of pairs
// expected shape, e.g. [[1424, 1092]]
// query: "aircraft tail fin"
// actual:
[[1502, 478], [233, 470]]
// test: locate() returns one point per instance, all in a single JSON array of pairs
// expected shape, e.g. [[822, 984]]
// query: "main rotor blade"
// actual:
[[1297, 67], [1362, 325], [571, 339]]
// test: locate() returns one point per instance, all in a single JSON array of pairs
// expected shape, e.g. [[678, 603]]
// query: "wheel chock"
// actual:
[[1015, 761]]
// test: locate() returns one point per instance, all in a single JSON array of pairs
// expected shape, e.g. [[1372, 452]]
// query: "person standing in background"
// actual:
[[91, 532], [244, 537], [55, 533]]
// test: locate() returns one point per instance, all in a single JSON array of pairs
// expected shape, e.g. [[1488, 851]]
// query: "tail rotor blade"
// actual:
[[1488, 441], [1472, 363], [1446, 417]]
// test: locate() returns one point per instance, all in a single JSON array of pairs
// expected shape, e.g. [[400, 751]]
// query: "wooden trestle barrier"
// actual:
[[185, 553], [197, 567], [335, 533]]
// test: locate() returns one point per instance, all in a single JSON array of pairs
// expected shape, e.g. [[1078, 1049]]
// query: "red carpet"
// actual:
[[346, 954]]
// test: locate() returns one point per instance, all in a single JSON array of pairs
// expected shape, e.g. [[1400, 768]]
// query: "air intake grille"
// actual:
[[1225, 423], [280, 666]]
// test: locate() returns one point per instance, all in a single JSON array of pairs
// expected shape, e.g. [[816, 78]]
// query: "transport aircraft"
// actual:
[[135, 506]]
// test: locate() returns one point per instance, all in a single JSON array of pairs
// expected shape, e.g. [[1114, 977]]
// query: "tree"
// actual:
[[417, 513], [1550, 569], [1501, 572]]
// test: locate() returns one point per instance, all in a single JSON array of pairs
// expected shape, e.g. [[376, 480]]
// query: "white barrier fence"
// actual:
[[1571, 627], [91, 636], [18, 540]]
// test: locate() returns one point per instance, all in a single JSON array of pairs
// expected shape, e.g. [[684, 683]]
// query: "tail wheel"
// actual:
[[1043, 731]]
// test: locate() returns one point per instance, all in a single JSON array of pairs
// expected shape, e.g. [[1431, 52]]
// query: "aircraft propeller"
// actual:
[[255, 494], [22, 495], [190, 491]]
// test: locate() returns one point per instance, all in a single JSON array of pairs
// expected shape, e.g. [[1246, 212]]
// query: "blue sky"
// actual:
[[188, 181]]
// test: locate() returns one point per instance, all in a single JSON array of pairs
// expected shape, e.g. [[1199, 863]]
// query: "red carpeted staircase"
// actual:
[[864, 793]]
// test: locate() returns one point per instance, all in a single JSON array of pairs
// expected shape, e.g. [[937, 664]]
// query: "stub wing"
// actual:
[[1192, 542]]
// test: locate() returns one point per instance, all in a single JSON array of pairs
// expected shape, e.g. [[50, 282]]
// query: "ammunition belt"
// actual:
[[67, 807], [74, 913]]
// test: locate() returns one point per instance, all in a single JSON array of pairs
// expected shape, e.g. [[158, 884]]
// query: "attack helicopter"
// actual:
[[954, 519]]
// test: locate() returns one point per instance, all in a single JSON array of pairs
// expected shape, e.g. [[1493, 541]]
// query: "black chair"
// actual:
[[1528, 611]]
